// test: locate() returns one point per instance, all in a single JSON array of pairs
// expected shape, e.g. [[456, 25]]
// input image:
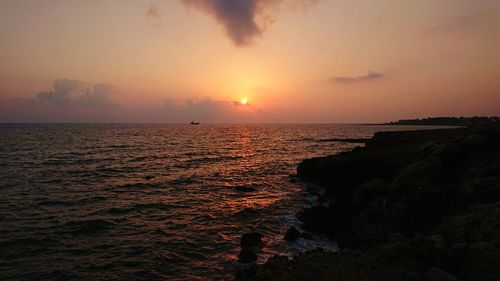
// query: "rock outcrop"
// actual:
[[248, 243], [292, 234], [250, 240], [421, 205]]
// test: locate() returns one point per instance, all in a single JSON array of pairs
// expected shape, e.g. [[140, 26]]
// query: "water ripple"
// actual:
[[149, 202]]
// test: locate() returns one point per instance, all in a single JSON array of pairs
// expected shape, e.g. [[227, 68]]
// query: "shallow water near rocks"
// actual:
[[152, 202]]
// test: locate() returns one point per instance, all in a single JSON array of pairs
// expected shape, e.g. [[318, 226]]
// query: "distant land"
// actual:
[[449, 121]]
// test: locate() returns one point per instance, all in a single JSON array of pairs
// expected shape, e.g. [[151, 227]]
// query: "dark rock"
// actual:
[[386, 153], [343, 266], [307, 236], [431, 249], [391, 186], [292, 234], [293, 178], [421, 205], [437, 274], [247, 256], [457, 256], [250, 240], [246, 273]]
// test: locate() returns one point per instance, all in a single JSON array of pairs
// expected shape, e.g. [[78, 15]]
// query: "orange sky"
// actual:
[[294, 60]]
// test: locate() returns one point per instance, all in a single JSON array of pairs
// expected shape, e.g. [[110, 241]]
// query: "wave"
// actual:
[[51, 203], [183, 180], [91, 226], [168, 192], [138, 186], [144, 206], [300, 140], [204, 160]]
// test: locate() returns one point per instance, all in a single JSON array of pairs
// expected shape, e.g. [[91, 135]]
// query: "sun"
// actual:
[[244, 101]]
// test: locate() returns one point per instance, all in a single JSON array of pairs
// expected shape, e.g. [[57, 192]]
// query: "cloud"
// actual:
[[69, 100], [68, 92], [205, 110], [77, 101], [468, 21], [153, 14], [203, 107], [356, 79], [244, 20]]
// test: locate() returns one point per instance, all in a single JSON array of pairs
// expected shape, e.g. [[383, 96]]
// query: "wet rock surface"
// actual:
[[419, 205], [292, 234], [247, 256], [249, 243], [250, 240]]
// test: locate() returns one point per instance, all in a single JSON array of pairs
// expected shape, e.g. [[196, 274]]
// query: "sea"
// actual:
[[154, 201]]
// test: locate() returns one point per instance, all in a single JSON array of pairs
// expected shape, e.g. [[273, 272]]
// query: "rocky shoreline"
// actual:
[[413, 205]]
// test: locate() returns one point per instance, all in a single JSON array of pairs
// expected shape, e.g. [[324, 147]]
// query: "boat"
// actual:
[[195, 123]]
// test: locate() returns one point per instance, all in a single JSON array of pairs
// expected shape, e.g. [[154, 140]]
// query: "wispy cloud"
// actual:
[[244, 20], [153, 14], [370, 76], [467, 22]]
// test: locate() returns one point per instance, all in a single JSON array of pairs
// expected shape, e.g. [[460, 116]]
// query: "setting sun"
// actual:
[[244, 101]]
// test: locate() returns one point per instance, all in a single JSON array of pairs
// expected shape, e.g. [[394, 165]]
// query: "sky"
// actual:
[[294, 61]]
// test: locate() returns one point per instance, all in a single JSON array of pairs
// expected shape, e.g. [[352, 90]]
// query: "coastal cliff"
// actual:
[[419, 205]]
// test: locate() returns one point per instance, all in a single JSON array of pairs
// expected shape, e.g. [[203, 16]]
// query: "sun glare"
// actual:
[[244, 101]]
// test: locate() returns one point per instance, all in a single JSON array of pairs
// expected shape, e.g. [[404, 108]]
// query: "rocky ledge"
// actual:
[[420, 205]]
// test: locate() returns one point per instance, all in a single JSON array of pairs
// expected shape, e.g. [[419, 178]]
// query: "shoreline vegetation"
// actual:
[[449, 121], [409, 205]]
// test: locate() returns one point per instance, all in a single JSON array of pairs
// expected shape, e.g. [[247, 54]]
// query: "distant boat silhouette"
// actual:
[[195, 123]]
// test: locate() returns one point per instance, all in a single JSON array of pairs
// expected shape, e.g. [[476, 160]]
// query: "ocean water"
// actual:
[[151, 202]]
